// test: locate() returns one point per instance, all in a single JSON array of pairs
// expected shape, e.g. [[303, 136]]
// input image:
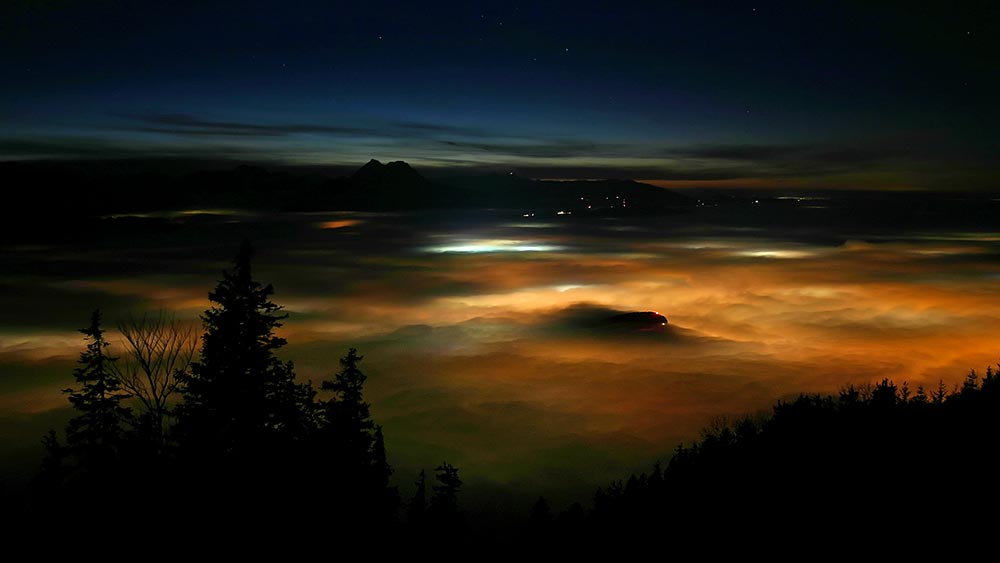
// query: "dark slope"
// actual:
[[880, 460], [513, 192]]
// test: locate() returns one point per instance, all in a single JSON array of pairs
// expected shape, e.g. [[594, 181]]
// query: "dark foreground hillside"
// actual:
[[880, 463]]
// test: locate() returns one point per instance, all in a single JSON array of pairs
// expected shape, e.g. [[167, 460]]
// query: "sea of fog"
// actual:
[[487, 335]]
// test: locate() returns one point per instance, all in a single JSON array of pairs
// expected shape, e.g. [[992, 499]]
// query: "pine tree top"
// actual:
[[98, 427]]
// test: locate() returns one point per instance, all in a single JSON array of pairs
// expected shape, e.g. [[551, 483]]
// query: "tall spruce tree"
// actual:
[[416, 509], [239, 398], [353, 445], [346, 416], [94, 437], [444, 502]]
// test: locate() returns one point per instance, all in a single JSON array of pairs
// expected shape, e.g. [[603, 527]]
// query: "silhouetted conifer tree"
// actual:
[[244, 425], [444, 503], [239, 396], [971, 383], [939, 395], [82, 471], [884, 394], [381, 471], [94, 437], [347, 417], [904, 392], [417, 507], [353, 444]]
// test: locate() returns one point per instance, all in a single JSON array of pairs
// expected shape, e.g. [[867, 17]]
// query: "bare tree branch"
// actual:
[[155, 348]]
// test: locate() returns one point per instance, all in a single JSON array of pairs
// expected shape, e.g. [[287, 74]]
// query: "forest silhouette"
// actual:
[[225, 437]]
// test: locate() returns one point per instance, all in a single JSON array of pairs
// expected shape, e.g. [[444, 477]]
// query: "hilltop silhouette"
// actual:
[[397, 173], [394, 185]]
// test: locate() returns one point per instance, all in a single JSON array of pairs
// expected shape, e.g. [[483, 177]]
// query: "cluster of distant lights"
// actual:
[[530, 215], [624, 204], [590, 205]]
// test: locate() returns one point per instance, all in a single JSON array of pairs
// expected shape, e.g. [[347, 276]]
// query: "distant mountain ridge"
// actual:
[[396, 185], [104, 188]]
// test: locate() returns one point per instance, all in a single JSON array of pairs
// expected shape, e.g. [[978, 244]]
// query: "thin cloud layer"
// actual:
[[904, 160]]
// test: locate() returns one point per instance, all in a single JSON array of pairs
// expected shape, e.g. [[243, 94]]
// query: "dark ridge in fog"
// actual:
[[602, 322], [101, 188], [56, 197]]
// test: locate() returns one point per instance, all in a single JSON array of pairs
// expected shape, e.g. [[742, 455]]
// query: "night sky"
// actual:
[[486, 331], [759, 94]]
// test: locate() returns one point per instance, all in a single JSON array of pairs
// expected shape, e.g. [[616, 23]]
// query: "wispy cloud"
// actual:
[[79, 147], [444, 137], [795, 160], [541, 148], [441, 129], [189, 124], [184, 124]]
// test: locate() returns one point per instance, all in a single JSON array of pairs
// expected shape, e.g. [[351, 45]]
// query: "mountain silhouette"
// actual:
[[394, 185], [393, 173], [120, 187]]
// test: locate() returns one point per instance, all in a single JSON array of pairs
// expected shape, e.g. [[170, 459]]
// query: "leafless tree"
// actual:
[[155, 348]]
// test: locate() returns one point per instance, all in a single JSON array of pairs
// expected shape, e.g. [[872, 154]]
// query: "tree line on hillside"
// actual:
[[229, 435], [883, 459]]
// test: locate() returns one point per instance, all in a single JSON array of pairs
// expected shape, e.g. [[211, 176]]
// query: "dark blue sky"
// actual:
[[709, 93]]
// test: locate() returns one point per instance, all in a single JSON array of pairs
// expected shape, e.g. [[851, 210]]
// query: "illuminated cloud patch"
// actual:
[[475, 246]]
